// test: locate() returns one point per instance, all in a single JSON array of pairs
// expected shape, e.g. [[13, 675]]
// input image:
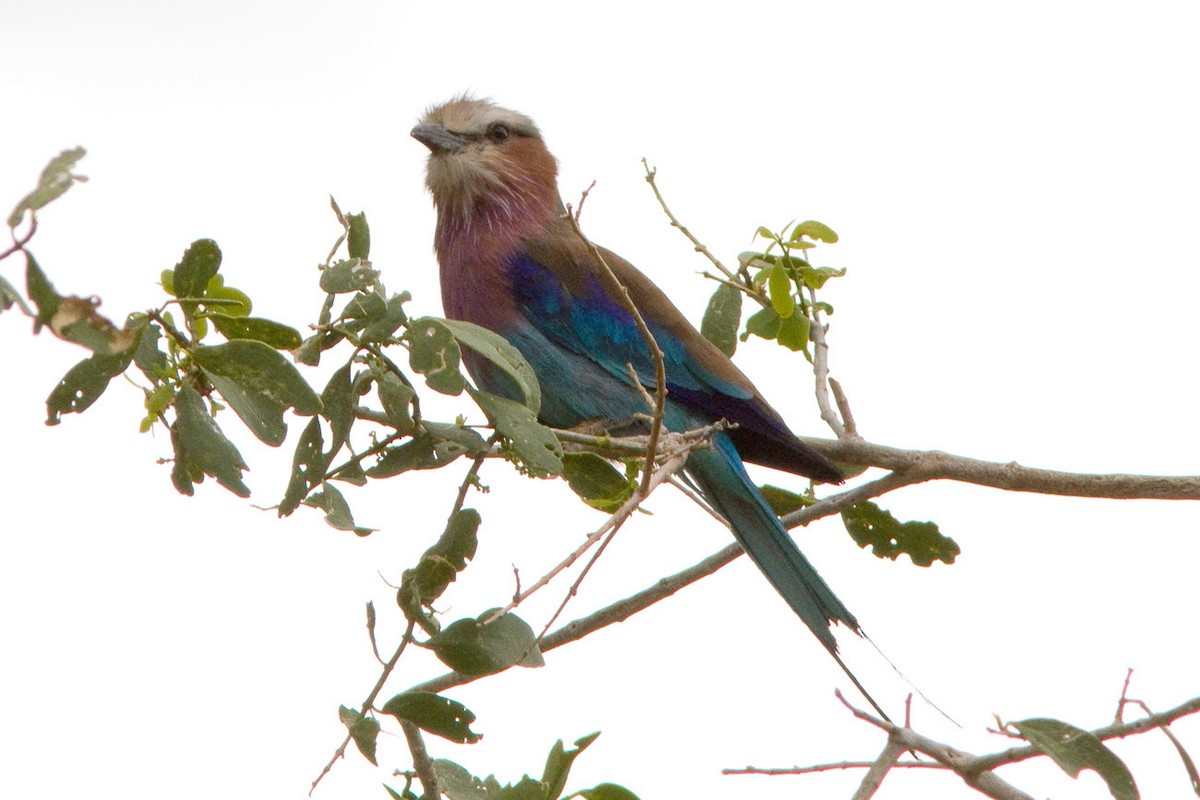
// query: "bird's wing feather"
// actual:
[[563, 292]]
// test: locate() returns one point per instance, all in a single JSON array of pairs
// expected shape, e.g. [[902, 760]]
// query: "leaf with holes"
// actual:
[[818, 231], [438, 715], [870, 525], [433, 352], [259, 384], [83, 384], [438, 567], [536, 447], [55, 179], [348, 275]]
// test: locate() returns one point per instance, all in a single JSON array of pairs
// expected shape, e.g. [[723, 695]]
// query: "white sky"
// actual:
[[1016, 190]]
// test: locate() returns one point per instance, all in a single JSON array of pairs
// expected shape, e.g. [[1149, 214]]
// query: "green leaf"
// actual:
[[358, 240], [308, 468], [596, 481], [474, 648], [149, 358], [337, 406], [433, 352], [396, 397], [9, 295], [496, 349], [763, 323], [793, 332], [608, 791], [746, 257], [40, 291], [201, 448], [416, 453], [83, 384], [813, 230], [382, 325], [558, 764], [464, 439], [438, 715], [457, 783], [722, 318], [348, 276], [525, 789], [75, 319], [376, 317], [337, 510], [535, 446], [198, 266], [351, 472], [1075, 750], [55, 179], [816, 277], [309, 351], [439, 566], [868, 524], [779, 284], [271, 333], [784, 502], [226, 299], [259, 383], [767, 233], [363, 730]]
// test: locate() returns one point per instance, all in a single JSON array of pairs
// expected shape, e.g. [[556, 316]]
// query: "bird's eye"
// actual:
[[498, 132]]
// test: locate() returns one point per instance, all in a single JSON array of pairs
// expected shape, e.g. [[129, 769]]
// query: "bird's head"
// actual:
[[487, 165]]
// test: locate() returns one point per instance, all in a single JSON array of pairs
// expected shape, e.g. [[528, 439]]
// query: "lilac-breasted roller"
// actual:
[[511, 262]]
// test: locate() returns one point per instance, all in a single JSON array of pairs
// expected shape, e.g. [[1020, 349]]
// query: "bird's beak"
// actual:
[[438, 138]]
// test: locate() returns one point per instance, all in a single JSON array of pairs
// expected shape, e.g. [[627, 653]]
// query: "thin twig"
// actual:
[[660, 370], [468, 481], [843, 405], [651, 174], [831, 766], [405, 640], [615, 521], [1119, 716], [20, 242], [1188, 764]]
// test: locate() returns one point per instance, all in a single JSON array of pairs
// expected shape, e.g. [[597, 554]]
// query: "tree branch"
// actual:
[[918, 466], [422, 764]]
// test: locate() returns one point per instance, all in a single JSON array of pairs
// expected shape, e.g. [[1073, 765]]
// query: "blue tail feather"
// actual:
[[723, 481]]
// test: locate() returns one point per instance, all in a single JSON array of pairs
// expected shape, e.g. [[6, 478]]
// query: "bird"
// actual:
[[510, 260]]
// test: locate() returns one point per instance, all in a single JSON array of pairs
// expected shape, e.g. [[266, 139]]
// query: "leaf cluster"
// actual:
[[203, 352], [459, 784]]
